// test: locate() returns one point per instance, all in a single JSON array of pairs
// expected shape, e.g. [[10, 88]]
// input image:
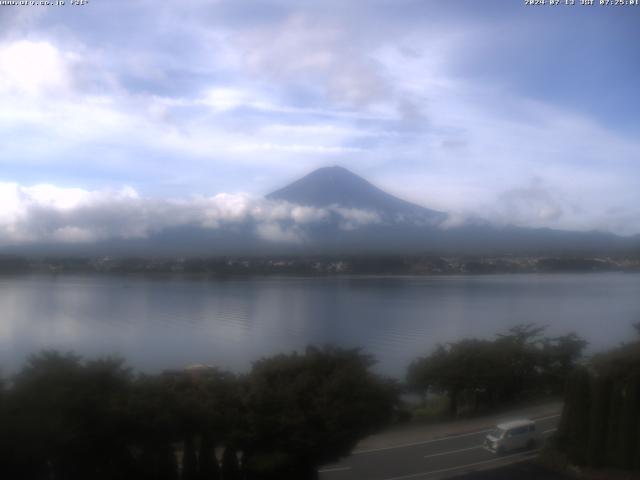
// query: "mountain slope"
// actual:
[[338, 186], [395, 227], [406, 227]]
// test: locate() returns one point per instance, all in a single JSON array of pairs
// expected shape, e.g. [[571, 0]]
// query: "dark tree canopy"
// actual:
[[486, 372], [64, 418], [304, 410], [600, 424]]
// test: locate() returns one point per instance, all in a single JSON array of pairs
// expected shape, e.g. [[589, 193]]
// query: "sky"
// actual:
[[519, 114]]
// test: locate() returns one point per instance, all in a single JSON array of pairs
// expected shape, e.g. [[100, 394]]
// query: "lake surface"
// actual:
[[169, 322]]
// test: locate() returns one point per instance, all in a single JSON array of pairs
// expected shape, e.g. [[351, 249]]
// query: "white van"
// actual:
[[513, 435]]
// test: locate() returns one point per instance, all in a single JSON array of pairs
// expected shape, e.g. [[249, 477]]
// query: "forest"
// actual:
[[66, 418]]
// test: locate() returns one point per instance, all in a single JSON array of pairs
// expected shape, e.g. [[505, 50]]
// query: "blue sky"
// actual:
[[519, 114]]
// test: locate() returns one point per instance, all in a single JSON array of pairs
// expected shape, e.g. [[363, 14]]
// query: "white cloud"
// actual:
[[224, 98], [532, 203], [32, 68], [301, 214], [353, 218], [204, 98], [47, 213], [303, 50], [274, 232]]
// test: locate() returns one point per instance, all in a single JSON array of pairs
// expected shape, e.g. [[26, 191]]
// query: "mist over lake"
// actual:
[[164, 322]]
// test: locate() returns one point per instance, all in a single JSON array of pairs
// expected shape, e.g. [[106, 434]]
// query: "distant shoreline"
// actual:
[[320, 266]]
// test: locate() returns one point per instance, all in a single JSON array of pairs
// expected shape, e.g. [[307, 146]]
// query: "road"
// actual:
[[429, 459]]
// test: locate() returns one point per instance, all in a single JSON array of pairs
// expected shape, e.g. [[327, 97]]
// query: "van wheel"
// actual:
[[500, 451], [531, 444]]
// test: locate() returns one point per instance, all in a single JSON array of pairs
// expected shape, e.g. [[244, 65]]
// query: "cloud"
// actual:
[[300, 49], [533, 203], [274, 232], [59, 106], [423, 99], [32, 68], [47, 213], [548, 203], [352, 218]]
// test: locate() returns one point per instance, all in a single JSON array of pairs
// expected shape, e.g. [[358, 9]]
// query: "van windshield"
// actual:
[[497, 433]]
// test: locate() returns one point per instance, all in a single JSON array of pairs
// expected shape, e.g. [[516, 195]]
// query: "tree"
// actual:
[[207, 461], [599, 424], [558, 358], [156, 425], [573, 429], [518, 363], [520, 352], [620, 363], [464, 367], [304, 410], [68, 417], [601, 389], [230, 467], [189, 460]]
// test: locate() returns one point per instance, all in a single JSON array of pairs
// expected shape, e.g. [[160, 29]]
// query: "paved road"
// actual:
[[430, 459]]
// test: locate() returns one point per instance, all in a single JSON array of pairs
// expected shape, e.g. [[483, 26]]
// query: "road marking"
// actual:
[[549, 431], [453, 451], [336, 469], [461, 467], [423, 442], [555, 415], [434, 440]]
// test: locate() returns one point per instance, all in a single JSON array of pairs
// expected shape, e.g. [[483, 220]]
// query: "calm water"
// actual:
[[158, 323]]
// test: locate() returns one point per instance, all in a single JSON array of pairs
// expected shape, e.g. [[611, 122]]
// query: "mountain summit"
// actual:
[[338, 186], [358, 218]]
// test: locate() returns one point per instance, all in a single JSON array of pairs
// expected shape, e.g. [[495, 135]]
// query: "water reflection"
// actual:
[[165, 322]]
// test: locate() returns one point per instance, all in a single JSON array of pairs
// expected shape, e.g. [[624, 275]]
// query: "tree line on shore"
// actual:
[[600, 425], [65, 418], [312, 265], [476, 374]]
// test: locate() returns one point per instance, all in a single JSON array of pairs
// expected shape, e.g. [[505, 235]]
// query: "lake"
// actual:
[[169, 322]]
